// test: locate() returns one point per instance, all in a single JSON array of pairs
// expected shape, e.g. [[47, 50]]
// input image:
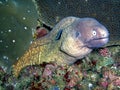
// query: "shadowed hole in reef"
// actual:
[[47, 27]]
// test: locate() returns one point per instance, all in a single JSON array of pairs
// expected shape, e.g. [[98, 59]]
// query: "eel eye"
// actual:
[[77, 34], [94, 33]]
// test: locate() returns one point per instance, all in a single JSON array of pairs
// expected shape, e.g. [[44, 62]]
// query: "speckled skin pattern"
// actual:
[[71, 39]]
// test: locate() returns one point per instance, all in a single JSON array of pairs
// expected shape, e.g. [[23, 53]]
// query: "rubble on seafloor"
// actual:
[[100, 70]]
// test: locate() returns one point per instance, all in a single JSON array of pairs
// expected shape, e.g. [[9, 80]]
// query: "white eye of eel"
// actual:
[[94, 33]]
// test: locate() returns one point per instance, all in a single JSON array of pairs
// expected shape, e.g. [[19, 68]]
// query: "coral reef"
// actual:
[[99, 71]]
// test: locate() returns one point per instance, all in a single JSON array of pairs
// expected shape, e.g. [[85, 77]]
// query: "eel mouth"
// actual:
[[97, 42]]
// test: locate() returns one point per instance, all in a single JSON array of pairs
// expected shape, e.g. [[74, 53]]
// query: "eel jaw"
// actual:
[[75, 48], [98, 42]]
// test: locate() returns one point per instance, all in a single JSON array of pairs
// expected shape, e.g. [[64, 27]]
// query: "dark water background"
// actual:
[[17, 20]]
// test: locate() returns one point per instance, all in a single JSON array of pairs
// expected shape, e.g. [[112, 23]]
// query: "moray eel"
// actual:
[[70, 40]]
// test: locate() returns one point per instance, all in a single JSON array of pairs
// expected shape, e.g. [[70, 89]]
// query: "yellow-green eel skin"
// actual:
[[63, 45]]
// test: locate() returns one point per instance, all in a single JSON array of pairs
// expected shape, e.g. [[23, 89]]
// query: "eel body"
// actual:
[[70, 40]]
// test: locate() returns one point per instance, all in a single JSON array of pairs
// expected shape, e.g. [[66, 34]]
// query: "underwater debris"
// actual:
[[49, 69], [104, 52]]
